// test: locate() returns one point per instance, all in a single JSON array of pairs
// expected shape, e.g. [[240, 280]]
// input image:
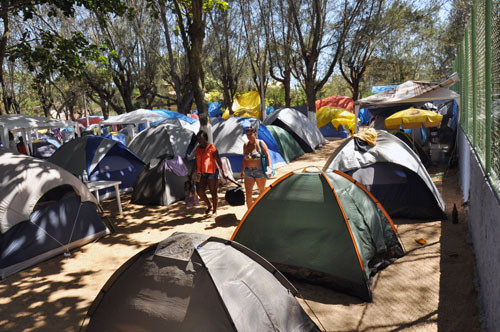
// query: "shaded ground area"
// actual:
[[429, 289]]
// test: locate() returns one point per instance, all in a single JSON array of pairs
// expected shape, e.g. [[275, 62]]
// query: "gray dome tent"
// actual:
[[298, 125], [168, 137], [393, 173], [159, 183], [44, 211], [193, 282]]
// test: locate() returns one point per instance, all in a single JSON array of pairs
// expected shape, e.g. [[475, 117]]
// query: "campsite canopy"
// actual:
[[299, 126], [44, 211], [28, 123], [229, 138], [140, 116], [323, 228], [102, 159], [411, 93], [192, 282], [393, 173], [289, 148]]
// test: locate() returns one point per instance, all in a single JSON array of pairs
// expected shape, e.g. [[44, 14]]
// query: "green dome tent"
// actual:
[[289, 148], [324, 228]]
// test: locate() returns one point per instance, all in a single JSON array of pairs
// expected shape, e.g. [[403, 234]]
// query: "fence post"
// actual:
[[466, 82], [488, 67], [474, 99]]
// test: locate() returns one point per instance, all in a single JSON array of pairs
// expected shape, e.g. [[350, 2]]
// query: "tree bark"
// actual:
[[3, 46], [196, 31]]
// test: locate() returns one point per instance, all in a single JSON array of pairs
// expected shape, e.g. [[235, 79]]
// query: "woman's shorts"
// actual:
[[211, 176], [254, 172]]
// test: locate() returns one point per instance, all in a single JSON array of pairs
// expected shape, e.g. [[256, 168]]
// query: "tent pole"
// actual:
[[356, 114]]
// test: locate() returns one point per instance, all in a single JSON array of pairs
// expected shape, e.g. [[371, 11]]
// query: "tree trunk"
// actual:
[[3, 46], [311, 99], [197, 33], [287, 87]]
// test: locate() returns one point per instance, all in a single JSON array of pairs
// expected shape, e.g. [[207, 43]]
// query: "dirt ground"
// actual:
[[431, 288]]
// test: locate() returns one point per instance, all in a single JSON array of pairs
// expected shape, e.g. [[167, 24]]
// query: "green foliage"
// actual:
[[275, 96]]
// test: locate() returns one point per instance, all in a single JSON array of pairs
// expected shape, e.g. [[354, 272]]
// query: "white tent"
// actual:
[[410, 92], [133, 118], [28, 123]]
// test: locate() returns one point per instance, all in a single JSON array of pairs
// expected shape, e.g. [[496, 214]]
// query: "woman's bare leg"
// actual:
[[200, 189], [212, 186], [249, 182], [261, 184]]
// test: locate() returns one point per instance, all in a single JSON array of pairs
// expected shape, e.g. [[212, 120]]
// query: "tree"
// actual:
[[226, 53], [280, 40], [55, 52], [360, 43], [191, 23], [318, 39]]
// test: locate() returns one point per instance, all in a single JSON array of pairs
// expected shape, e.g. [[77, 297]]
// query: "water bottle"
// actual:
[[85, 177]]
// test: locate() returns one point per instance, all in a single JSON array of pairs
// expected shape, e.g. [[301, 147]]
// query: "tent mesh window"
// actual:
[[54, 195]]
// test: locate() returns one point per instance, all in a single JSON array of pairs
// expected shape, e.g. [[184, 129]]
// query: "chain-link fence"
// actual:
[[478, 65]]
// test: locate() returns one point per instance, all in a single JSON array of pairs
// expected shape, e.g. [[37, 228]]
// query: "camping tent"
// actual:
[[45, 147], [192, 282], [409, 93], [44, 211], [323, 228], [161, 182], [102, 159], [299, 126], [289, 148], [165, 138], [393, 173], [229, 138]]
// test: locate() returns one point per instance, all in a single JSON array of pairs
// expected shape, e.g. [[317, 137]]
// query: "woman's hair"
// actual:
[[202, 133]]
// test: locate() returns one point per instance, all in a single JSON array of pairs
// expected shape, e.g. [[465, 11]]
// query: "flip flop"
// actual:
[[214, 215]]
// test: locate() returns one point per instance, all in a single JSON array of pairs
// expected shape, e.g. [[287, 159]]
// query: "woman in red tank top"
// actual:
[[207, 159]]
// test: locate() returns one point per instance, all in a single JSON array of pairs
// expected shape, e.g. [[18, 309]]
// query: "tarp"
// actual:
[[299, 126], [323, 228], [393, 172], [344, 102], [192, 282], [245, 105], [336, 116], [413, 92]]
